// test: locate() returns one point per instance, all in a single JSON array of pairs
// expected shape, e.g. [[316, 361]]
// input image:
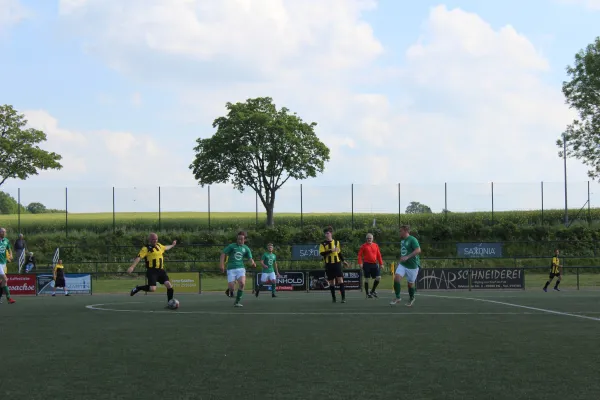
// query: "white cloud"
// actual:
[[11, 13], [263, 35], [469, 103], [104, 157]]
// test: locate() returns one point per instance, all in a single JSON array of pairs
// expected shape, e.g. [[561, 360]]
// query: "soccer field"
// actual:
[[450, 345]]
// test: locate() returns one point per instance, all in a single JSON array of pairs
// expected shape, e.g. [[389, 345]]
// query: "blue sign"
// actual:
[[479, 250], [306, 252]]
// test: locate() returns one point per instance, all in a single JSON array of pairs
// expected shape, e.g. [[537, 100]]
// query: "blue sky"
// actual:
[[416, 92]]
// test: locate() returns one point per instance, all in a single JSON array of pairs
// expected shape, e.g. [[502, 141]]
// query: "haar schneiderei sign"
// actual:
[[471, 278]]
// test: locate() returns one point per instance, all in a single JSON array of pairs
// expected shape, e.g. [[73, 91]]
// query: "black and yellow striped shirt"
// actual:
[[153, 256], [330, 256], [555, 267]]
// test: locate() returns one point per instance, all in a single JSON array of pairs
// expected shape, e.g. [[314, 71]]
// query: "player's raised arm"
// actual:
[[171, 245]]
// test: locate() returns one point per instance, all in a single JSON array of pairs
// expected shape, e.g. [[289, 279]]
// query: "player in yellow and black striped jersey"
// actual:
[[331, 252], [555, 271], [153, 256]]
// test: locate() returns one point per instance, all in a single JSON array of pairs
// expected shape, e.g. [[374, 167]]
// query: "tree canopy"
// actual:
[[418, 208], [20, 155], [259, 147], [582, 93]]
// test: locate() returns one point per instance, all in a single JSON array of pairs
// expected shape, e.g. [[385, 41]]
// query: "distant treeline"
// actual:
[[8, 205]]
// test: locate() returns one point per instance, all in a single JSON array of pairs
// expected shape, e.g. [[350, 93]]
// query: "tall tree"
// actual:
[[20, 155], [418, 208], [260, 147], [582, 93]]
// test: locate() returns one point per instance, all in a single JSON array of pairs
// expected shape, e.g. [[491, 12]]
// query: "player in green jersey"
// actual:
[[236, 271], [409, 264], [270, 272], [5, 257]]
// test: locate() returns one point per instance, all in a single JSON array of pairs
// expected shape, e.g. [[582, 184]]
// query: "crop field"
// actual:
[[100, 222]]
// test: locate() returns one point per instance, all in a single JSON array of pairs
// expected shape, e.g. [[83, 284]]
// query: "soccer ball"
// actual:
[[173, 304]]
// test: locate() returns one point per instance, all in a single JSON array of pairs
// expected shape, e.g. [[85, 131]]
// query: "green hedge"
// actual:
[[529, 245]]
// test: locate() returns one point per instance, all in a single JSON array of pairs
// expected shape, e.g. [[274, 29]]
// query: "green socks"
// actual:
[[411, 292], [397, 289], [239, 295], [7, 291], [273, 288]]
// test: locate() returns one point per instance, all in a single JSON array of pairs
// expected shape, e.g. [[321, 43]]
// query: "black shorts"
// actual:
[[60, 281], [371, 270], [334, 271], [552, 275], [156, 275]]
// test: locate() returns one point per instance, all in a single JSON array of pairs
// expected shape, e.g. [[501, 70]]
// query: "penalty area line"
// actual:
[[542, 310], [100, 307]]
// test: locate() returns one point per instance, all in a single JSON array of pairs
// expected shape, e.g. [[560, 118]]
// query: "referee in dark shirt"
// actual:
[[331, 252]]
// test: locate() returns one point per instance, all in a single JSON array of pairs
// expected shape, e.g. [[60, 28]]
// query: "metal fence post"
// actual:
[[159, 213], [589, 211], [301, 210], [19, 209], [209, 207], [445, 199], [542, 202], [352, 197], [113, 211], [66, 213], [492, 203], [399, 207]]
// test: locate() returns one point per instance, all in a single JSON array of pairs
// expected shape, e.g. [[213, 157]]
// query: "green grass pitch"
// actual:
[[450, 345]]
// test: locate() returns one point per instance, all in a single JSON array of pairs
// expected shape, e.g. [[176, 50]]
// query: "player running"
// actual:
[[153, 256], [5, 256], [371, 255], [409, 264], [331, 252], [236, 271], [555, 271], [270, 272]]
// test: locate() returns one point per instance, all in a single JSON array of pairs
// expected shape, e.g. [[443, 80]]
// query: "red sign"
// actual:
[[21, 284]]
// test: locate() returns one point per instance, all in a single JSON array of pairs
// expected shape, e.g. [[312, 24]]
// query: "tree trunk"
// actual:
[[270, 207], [270, 219]]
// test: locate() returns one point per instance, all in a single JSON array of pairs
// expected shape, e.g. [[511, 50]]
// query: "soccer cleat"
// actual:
[[256, 293], [236, 304], [557, 289], [374, 294], [410, 302], [334, 300], [54, 295], [67, 294], [343, 300], [545, 290], [134, 291], [11, 301], [273, 295], [394, 302]]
